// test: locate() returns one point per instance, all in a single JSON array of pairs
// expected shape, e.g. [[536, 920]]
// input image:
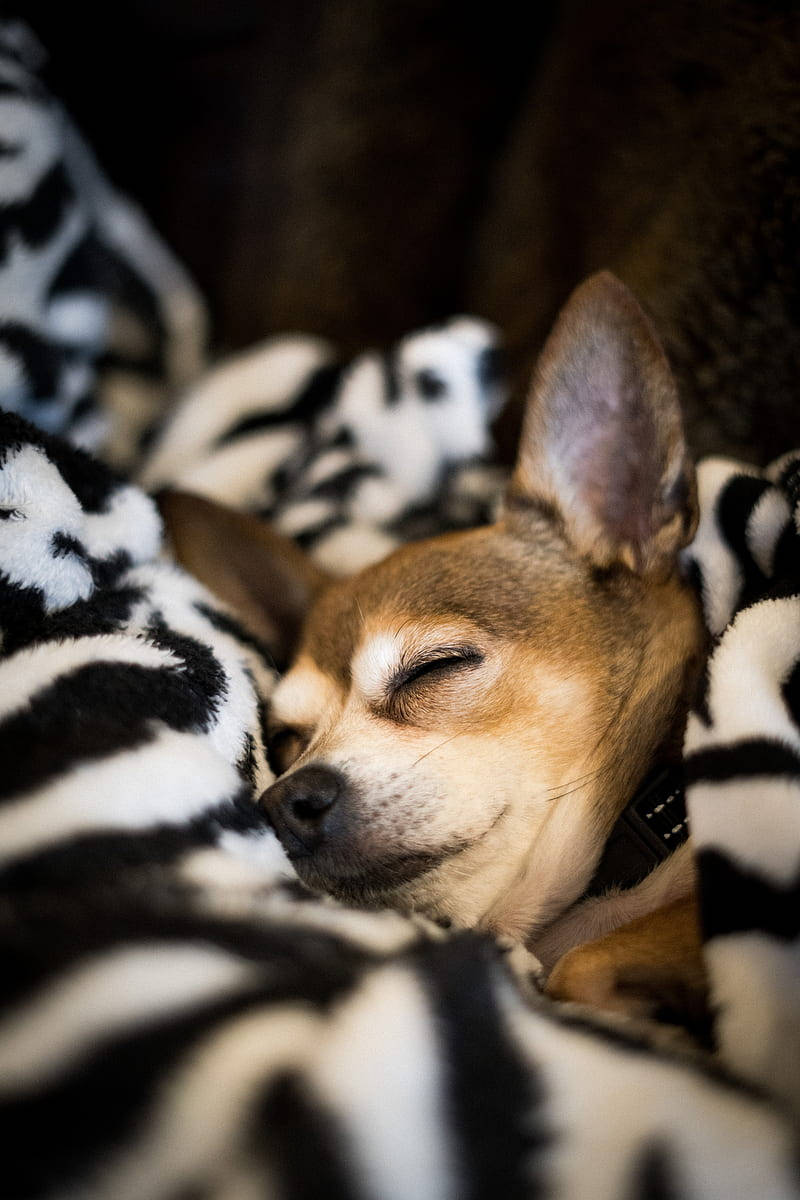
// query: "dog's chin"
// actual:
[[363, 882]]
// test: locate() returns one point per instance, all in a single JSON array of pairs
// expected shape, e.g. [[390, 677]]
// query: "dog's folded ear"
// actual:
[[602, 445], [264, 577]]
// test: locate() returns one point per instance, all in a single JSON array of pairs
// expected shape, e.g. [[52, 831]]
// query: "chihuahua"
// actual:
[[463, 722]]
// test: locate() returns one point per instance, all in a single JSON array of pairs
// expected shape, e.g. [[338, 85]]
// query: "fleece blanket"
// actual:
[[98, 321], [347, 458], [178, 1016]]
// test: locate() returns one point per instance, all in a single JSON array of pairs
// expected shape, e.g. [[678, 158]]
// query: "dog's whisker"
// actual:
[[438, 746], [567, 792], [579, 779], [571, 786]]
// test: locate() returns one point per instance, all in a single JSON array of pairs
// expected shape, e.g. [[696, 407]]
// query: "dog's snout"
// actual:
[[300, 807]]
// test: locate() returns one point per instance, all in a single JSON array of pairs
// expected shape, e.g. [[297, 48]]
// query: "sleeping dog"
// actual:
[[464, 722]]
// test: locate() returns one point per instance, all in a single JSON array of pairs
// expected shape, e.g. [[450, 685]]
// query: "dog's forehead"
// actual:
[[483, 579]]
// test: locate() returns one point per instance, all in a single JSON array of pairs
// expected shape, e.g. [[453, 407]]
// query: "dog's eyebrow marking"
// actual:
[[302, 695], [383, 656], [376, 663]]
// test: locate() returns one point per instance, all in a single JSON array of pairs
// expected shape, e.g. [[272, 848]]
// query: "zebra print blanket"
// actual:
[[180, 1017], [347, 458], [98, 321]]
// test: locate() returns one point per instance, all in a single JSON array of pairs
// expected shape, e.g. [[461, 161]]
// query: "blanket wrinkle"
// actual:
[[743, 763], [99, 323]]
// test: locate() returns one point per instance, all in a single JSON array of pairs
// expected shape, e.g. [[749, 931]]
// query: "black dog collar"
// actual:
[[650, 827]]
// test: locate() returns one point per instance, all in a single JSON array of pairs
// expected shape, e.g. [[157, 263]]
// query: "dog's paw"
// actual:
[[652, 969], [525, 966]]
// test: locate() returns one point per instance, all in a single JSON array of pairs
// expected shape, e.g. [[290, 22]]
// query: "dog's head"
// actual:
[[463, 721]]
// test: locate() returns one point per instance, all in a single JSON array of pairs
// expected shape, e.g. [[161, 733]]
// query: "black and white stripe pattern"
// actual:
[[743, 766], [178, 1016], [151, 1048], [98, 322], [352, 458], [130, 712]]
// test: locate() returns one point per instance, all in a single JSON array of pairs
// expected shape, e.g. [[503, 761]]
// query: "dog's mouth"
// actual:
[[370, 881], [361, 880], [324, 827]]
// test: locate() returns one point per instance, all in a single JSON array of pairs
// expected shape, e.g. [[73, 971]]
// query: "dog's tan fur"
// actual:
[[571, 641], [483, 756], [652, 960]]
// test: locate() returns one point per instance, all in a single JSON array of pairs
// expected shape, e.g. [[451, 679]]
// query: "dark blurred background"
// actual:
[[318, 164], [355, 168]]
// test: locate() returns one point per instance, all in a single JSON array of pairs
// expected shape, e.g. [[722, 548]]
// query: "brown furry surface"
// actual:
[[663, 141], [651, 967]]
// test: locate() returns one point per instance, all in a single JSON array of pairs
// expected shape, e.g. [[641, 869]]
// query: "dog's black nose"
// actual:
[[300, 807]]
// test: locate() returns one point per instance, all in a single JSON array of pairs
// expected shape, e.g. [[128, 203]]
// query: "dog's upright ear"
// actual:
[[266, 578], [602, 443]]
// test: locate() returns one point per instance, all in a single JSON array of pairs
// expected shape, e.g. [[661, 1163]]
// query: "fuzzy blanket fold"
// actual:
[[98, 321]]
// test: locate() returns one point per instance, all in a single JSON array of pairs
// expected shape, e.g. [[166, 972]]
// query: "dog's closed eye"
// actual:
[[442, 663]]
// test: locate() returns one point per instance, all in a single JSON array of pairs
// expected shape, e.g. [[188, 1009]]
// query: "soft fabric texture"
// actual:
[[742, 752], [182, 1014], [98, 321], [347, 458]]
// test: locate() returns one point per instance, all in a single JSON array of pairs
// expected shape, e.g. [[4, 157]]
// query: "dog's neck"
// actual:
[[645, 862], [615, 866], [650, 828]]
